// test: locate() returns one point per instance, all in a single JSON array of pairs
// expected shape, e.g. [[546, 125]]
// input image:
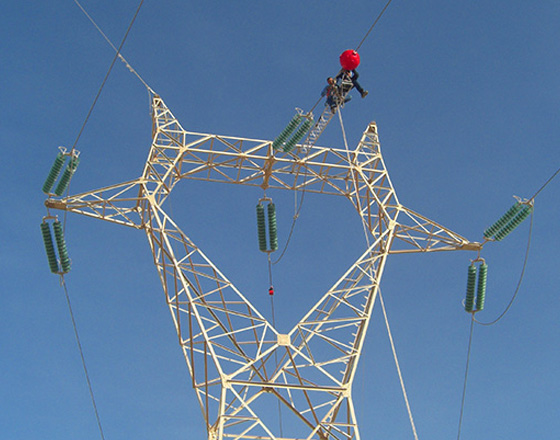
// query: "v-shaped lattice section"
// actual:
[[239, 364]]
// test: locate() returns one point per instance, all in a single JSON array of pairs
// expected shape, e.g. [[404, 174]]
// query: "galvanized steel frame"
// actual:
[[237, 360]]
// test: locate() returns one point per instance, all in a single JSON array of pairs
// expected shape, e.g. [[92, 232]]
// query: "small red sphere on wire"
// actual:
[[349, 59], [271, 290]]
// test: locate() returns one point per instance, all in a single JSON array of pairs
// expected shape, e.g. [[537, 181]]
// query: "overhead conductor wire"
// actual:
[[473, 319], [466, 376], [531, 200], [110, 67], [120, 56], [373, 25], [62, 279]]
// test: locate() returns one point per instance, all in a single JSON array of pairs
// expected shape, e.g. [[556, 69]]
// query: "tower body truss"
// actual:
[[241, 367]]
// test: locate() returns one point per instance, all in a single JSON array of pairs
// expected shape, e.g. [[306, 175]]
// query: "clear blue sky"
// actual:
[[466, 97]]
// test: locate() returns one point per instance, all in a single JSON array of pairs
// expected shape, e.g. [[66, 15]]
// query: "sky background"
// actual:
[[466, 97]]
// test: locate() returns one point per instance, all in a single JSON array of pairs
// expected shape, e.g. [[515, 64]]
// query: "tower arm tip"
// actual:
[[55, 204]]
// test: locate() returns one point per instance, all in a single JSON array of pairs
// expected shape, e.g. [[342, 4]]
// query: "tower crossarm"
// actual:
[[416, 233], [122, 204], [179, 154]]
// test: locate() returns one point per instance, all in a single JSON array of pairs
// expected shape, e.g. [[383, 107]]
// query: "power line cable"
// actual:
[[76, 334], [531, 200], [373, 25], [121, 57], [465, 381], [518, 283], [62, 280], [394, 350], [545, 184], [107, 74]]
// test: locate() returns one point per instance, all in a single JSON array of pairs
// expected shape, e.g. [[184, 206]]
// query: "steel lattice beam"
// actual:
[[239, 363]]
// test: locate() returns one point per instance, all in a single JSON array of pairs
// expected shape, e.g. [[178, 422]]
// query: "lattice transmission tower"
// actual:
[[240, 365]]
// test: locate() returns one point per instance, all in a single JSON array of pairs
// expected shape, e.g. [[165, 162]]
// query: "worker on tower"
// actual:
[[352, 76], [349, 61], [338, 87], [334, 94]]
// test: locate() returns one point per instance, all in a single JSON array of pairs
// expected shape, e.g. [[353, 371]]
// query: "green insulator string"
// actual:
[[54, 172], [55, 266], [261, 228], [509, 221], [514, 296], [67, 175], [471, 281], [503, 221], [514, 223], [61, 246], [472, 306], [283, 136], [49, 247], [272, 229], [299, 134], [481, 286], [271, 244]]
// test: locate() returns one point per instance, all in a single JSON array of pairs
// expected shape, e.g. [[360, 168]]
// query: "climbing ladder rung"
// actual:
[[321, 124]]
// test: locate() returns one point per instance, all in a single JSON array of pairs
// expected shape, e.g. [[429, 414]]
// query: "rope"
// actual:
[[63, 284], [128, 66], [518, 283], [366, 234], [466, 375], [106, 75], [297, 210], [373, 25], [296, 216], [62, 280], [274, 325], [398, 367]]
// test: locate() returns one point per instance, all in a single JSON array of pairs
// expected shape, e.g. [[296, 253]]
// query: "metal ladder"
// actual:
[[326, 116]]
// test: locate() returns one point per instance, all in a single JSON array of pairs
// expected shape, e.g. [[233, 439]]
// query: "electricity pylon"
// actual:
[[239, 363]]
